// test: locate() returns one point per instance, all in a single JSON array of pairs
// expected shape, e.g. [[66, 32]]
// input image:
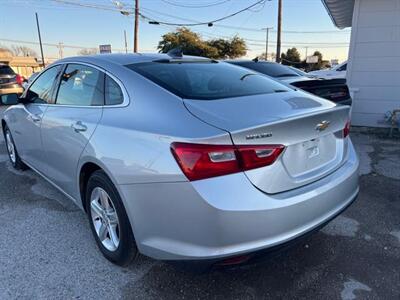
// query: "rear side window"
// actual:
[[206, 80], [81, 85], [342, 68], [6, 70], [40, 91], [113, 92], [268, 68]]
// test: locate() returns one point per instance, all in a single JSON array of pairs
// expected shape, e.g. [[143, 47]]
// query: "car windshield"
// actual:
[[206, 80], [268, 68], [6, 70]]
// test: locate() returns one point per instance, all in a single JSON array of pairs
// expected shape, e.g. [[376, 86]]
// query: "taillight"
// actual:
[[258, 156], [199, 161], [19, 79], [346, 130], [203, 161]]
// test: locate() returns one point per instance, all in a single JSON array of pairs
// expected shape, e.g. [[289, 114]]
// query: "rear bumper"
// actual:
[[227, 216], [252, 257]]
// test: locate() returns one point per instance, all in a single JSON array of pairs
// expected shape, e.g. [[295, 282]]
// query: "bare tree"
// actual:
[[87, 51], [23, 51], [271, 56], [5, 49]]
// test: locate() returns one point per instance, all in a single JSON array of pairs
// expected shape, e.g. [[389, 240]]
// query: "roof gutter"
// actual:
[[330, 14], [340, 12]]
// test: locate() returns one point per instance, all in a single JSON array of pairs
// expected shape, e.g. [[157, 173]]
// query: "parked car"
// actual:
[[10, 83], [335, 90], [338, 71], [183, 158]]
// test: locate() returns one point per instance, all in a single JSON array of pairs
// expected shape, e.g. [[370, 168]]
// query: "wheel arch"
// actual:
[[85, 172], [86, 169], [3, 124]]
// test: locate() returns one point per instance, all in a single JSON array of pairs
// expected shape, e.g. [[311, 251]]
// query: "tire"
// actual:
[[113, 236], [13, 155]]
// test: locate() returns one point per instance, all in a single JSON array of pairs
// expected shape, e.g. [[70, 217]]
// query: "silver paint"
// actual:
[[171, 217]]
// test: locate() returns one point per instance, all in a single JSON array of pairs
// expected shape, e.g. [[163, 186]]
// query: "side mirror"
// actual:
[[10, 99]]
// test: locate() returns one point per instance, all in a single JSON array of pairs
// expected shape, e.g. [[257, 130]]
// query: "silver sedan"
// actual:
[[184, 158]]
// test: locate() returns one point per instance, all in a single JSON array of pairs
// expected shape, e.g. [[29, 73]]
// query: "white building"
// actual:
[[373, 72]]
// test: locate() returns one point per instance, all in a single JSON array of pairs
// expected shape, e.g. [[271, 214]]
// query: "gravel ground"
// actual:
[[47, 250]]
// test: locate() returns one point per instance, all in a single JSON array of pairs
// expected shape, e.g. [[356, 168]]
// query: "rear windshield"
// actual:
[[207, 80], [6, 70], [268, 68]]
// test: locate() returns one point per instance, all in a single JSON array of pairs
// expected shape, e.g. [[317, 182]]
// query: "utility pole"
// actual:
[[135, 36], [40, 39], [278, 42], [126, 43], [267, 40], [306, 58], [61, 50]]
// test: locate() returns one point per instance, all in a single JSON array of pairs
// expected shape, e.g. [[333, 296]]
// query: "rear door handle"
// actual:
[[79, 127]]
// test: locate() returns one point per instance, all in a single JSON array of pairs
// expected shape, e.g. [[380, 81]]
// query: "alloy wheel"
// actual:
[[10, 147], [105, 219]]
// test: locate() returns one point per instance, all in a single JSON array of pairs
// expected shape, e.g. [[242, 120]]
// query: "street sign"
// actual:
[[312, 59], [105, 49]]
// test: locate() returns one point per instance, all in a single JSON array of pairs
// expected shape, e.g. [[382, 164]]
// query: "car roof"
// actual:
[[127, 59], [248, 61]]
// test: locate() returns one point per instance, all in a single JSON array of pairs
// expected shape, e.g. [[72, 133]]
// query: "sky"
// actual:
[[305, 24]]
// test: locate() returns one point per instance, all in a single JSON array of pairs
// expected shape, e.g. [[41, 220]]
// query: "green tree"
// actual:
[[233, 48], [189, 41], [291, 57], [192, 44]]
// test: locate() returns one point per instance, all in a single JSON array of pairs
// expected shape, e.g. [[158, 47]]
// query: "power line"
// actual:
[[54, 45], [130, 11], [211, 35], [87, 5], [195, 6], [195, 23], [286, 43], [243, 28], [209, 23]]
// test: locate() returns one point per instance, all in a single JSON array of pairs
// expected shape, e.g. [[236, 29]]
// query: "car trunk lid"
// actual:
[[310, 128]]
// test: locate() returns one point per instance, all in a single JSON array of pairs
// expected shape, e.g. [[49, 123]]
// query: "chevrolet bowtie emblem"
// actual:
[[322, 126]]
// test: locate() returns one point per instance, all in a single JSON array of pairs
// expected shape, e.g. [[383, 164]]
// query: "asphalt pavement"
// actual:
[[47, 250]]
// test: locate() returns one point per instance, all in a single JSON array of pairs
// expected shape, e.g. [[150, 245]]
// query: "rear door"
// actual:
[[69, 123]]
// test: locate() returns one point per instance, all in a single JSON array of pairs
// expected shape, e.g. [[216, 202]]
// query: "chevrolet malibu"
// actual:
[[183, 158]]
